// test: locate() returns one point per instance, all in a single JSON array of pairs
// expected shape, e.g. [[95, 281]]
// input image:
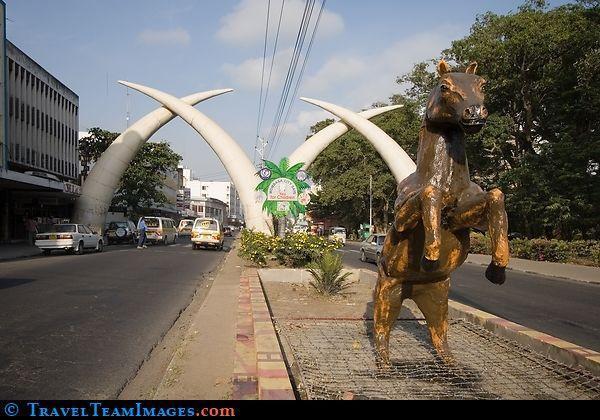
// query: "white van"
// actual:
[[161, 230], [338, 233]]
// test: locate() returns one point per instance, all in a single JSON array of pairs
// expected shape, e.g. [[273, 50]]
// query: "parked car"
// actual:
[[69, 237], [300, 227], [121, 232], [338, 233], [370, 249], [207, 233], [185, 227], [227, 231], [161, 230]]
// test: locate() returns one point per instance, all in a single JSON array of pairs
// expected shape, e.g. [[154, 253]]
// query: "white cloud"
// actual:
[[359, 80], [166, 37], [245, 26], [248, 74]]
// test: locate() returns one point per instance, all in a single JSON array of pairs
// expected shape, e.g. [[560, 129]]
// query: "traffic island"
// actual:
[[328, 349]]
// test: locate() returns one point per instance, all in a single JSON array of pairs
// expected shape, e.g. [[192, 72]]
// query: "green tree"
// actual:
[[141, 184], [344, 169]]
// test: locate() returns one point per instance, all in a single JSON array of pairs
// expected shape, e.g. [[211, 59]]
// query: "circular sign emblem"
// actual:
[[265, 174], [282, 189], [304, 199], [301, 176]]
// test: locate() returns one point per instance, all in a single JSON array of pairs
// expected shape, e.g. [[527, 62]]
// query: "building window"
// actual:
[[22, 112], [11, 104], [10, 65], [47, 123], [47, 162], [28, 156], [17, 152], [37, 119]]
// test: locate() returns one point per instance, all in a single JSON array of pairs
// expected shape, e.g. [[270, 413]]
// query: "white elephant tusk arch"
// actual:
[[312, 148], [98, 189], [233, 158], [400, 164]]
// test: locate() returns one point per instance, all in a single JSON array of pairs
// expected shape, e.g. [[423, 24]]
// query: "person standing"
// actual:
[[31, 229], [142, 228]]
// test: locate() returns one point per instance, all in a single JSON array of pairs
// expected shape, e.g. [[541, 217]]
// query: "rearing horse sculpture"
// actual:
[[436, 208]]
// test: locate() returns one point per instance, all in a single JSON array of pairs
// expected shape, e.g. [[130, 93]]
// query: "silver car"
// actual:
[[370, 249]]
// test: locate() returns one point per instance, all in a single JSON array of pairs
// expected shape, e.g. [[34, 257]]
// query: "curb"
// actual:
[[560, 351], [260, 371]]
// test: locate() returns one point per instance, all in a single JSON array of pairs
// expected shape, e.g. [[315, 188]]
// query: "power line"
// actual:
[[308, 9], [262, 78], [300, 77], [260, 143]]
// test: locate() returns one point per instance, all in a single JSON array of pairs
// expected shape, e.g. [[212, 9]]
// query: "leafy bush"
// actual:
[[296, 250], [301, 249], [327, 274], [576, 252], [480, 244], [256, 247]]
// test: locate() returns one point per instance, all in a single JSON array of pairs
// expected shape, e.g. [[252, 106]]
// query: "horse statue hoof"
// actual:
[[495, 274], [430, 266]]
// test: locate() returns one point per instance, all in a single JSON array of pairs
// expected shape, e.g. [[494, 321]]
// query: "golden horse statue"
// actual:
[[436, 208]]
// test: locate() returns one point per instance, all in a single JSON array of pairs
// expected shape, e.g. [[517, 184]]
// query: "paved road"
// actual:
[[79, 327], [565, 309]]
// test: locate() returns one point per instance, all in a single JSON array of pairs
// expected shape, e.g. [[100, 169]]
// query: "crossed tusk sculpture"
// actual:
[[97, 192]]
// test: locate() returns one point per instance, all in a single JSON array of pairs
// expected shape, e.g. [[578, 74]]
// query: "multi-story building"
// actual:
[[210, 207], [39, 124], [222, 191]]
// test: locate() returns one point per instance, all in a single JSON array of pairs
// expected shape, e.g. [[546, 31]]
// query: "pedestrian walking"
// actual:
[[30, 228], [142, 228]]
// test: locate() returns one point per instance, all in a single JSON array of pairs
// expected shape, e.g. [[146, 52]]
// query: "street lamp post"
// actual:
[[371, 203]]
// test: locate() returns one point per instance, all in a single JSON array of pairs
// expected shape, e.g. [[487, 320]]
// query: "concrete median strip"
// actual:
[[554, 348], [260, 371]]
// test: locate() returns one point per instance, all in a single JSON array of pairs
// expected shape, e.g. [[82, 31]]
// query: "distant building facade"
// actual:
[[210, 207], [39, 124]]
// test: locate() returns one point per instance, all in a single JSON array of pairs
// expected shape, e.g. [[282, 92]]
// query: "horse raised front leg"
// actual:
[[425, 206], [486, 210], [388, 304]]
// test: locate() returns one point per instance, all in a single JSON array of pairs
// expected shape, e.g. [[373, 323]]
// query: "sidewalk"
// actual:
[[20, 250], [565, 271], [202, 367]]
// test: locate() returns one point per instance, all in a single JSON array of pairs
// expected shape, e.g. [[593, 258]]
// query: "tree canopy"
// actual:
[[541, 145], [141, 184]]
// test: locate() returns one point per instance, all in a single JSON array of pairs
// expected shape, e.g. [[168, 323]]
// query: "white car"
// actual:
[[69, 237]]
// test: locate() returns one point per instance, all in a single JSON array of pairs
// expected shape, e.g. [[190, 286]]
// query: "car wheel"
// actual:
[[100, 247], [378, 258], [47, 252], [165, 241], [363, 257], [80, 249]]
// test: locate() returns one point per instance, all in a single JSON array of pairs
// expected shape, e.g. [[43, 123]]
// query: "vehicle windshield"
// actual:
[[62, 229], [381, 240], [152, 222], [116, 225], [338, 231], [206, 224]]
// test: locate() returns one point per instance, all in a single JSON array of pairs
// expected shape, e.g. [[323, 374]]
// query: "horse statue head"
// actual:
[[458, 99]]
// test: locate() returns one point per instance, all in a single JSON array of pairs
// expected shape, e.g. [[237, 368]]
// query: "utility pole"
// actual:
[[371, 203]]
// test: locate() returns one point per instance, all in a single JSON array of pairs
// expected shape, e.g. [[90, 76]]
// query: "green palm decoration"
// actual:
[[283, 170]]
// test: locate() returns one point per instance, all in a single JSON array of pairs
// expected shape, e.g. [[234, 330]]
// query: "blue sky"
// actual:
[[186, 46]]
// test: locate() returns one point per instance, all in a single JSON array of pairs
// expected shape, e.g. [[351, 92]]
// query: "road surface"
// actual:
[[79, 327], [565, 309]]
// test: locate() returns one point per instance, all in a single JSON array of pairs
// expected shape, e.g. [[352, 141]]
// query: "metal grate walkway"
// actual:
[[336, 360]]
